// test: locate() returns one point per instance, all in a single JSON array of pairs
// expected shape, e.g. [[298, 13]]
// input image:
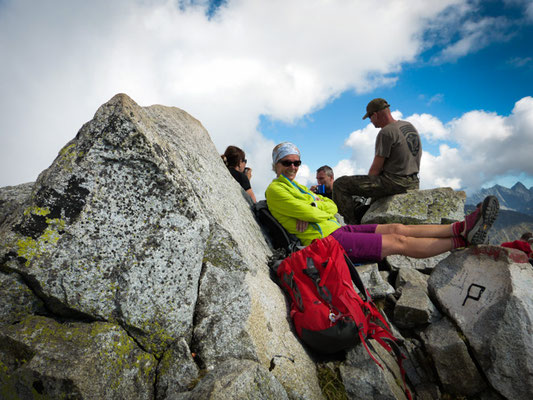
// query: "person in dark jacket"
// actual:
[[235, 160]]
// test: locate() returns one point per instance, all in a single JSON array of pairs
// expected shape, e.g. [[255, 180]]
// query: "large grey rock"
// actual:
[[138, 221], [457, 372], [177, 372], [486, 291], [41, 358], [414, 308], [363, 379], [431, 206], [419, 370], [398, 262], [412, 277], [374, 283], [238, 379], [17, 301], [12, 197]]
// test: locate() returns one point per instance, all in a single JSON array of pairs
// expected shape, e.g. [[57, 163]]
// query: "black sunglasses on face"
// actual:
[[287, 163]]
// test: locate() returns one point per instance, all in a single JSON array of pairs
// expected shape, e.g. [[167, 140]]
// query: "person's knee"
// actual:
[[399, 239], [392, 229], [339, 184], [393, 244]]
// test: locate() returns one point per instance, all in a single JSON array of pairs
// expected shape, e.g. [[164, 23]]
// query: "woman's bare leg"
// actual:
[[413, 246], [416, 231]]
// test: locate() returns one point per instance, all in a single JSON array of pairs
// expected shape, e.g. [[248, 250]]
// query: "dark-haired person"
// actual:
[[310, 216], [235, 160], [324, 178], [395, 166]]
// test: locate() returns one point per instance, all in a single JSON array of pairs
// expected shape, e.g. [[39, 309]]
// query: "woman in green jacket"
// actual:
[[310, 216]]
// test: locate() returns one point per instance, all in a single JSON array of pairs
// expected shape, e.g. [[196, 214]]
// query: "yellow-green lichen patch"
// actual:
[[41, 211], [98, 353], [157, 338], [67, 156], [30, 248]]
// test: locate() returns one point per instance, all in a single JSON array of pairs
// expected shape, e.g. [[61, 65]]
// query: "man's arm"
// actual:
[[377, 165]]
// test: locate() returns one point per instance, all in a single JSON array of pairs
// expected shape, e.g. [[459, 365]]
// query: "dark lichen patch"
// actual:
[[32, 226], [49, 205], [74, 198]]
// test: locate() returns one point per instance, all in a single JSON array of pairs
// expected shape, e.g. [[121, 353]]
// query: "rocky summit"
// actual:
[[133, 268]]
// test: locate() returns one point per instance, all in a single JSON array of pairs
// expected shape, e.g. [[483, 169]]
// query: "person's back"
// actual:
[[402, 156]]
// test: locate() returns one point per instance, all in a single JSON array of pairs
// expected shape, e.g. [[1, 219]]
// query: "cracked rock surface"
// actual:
[[138, 223]]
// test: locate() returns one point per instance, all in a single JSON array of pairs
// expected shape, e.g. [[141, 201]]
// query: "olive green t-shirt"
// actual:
[[399, 143]]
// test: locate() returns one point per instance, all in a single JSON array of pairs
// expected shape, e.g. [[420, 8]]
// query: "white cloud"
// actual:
[[488, 146], [443, 170], [305, 176], [282, 59], [428, 126], [344, 167], [362, 144], [475, 35]]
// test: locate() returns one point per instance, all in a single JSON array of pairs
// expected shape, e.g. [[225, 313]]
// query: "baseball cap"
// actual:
[[375, 106]]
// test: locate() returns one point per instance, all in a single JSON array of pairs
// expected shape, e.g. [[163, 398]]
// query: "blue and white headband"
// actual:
[[282, 150]]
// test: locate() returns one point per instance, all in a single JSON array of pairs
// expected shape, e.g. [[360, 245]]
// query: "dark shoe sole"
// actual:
[[489, 212]]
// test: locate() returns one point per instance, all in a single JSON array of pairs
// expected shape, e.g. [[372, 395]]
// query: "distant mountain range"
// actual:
[[516, 211], [518, 198]]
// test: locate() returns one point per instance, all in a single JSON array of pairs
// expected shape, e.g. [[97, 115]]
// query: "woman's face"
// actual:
[[241, 166], [290, 170]]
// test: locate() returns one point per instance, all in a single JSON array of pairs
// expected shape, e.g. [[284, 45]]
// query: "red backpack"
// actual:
[[328, 314]]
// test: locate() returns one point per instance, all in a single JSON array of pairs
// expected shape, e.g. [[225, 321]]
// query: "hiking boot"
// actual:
[[478, 223]]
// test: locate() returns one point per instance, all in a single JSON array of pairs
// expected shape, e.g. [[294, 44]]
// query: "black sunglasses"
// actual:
[[287, 163]]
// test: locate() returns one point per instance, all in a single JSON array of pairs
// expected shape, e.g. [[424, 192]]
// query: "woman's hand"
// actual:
[[301, 226]]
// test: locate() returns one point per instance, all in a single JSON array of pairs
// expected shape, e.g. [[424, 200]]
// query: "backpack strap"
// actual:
[[278, 235], [288, 279], [313, 273], [356, 278]]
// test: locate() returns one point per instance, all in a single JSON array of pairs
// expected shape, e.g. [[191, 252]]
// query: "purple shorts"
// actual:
[[361, 242]]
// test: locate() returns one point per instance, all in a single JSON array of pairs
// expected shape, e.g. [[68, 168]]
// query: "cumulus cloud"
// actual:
[[275, 58], [344, 167], [475, 35], [362, 144], [429, 126], [473, 149]]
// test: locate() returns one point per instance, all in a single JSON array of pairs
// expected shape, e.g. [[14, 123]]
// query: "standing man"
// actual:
[[395, 166], [324, 178]]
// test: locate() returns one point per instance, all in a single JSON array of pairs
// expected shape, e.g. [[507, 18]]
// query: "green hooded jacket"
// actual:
[[288, 201]]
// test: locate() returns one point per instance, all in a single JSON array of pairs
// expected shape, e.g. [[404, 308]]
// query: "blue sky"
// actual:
[[256, 73]]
